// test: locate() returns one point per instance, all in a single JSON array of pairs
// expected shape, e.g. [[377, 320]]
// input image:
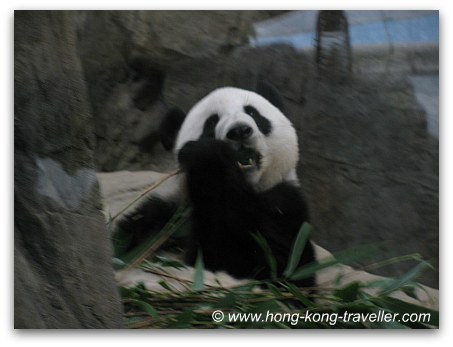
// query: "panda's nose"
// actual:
[[240, 132]]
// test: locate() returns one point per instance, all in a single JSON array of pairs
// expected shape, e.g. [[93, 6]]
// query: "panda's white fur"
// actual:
[[280, 149]]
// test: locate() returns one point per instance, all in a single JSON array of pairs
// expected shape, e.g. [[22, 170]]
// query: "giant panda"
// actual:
[[238, 154]]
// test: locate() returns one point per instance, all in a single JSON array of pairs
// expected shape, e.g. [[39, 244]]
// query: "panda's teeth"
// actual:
[[250, 164]]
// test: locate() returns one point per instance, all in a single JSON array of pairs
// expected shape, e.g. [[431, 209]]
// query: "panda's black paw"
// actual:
[[187, 153], [205, 153]]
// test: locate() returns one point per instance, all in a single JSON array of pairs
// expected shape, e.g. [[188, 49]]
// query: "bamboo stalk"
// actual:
[[145, 192]]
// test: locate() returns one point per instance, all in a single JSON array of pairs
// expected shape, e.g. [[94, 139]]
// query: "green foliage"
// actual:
[[347, 258], [168, 262], [137, 255], [194, 306], [349, 293], [198, 282], [297, 250], [271, 262]]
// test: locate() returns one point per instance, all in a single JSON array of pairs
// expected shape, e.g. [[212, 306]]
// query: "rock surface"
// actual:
[[139, 63], [62, 260], [370, 170]]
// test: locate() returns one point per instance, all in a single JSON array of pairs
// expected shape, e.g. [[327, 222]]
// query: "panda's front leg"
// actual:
[[224, 208]]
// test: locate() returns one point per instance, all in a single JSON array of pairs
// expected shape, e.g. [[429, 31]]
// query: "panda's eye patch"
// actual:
[[262, 123], [209, 127]]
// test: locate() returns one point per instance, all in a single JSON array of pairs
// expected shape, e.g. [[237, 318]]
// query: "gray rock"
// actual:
[[370, 169], [62, 260], [137, 64]]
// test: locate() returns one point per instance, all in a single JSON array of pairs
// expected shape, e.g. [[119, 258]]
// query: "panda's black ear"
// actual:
[[270, 93], [169, 127]]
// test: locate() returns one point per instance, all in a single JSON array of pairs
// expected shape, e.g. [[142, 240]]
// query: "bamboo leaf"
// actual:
[[165, 285], [410, 290], [349, 293], [228, 301], [262, 242], [198, 282], [298, 249], [274, 290], [150, 310], [153, 242], [118, 264], [348, 257], [407, 278], [168, 262], [183, 321], [298, 294], [121, 241]]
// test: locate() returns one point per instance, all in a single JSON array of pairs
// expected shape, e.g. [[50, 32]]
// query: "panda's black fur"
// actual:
[[227, 209]]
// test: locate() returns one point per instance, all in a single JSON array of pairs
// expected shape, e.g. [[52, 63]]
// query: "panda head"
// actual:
[[264, 139]]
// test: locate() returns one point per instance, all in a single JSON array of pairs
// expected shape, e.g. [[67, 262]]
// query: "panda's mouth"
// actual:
[[247, 158]]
